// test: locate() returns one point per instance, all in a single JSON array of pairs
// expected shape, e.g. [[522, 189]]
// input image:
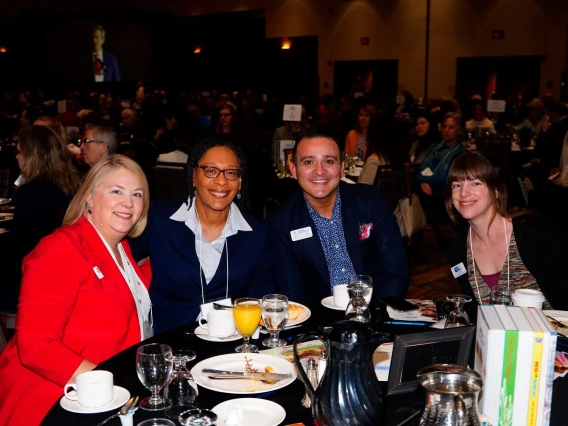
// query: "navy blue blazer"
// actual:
[[175, 288], [110, 66], [300, 266]]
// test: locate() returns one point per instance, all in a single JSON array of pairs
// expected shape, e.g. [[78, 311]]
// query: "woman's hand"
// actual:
[[426, 188], [85, 366]]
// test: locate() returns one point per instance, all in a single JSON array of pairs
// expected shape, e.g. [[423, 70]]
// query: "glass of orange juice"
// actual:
[[246, 312]]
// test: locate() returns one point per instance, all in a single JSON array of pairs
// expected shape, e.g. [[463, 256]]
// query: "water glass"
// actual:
[[182, 391], [501, 295], [366, 282], [458, 317], [274, 315], [154, 363], [358, 308], [246, 312]]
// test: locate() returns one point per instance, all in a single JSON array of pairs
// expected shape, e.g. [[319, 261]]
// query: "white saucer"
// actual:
[[121, 395], [328, 303], [202, 334], [257, 412]]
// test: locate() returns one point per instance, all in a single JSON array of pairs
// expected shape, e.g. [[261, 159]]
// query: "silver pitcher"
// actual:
[[451, 395]]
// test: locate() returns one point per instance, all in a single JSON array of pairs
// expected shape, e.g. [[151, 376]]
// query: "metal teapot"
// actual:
[[451, 395], [349, 391]]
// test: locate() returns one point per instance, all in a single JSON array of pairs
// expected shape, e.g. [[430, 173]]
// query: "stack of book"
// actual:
[[514, 354]]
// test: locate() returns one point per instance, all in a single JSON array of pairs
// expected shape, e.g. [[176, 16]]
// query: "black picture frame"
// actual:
[[414, 351]]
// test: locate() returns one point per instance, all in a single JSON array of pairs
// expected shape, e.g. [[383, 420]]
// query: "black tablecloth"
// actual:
[[124, 369]]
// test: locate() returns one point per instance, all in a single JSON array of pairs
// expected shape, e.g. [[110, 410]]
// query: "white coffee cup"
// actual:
[[219, 323], [340, 296], [91, 389], [528, 298]]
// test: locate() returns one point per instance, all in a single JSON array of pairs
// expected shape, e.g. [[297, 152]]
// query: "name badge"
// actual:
[[98, 272], [301, 234], [458, 270]]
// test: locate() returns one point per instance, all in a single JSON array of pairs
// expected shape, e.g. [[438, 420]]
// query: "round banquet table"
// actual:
[[123, 367]]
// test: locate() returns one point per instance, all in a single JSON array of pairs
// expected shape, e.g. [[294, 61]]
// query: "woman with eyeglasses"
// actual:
[[225, 118], [205, 247]]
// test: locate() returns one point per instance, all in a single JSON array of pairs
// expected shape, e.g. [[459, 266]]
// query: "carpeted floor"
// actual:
[[431, 275]]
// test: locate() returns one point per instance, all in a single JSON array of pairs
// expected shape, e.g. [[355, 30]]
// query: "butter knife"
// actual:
[[242, 374]]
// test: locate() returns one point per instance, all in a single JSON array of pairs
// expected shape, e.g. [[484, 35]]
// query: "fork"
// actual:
[[265, 380]]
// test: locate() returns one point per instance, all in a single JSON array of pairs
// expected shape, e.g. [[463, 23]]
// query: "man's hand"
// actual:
[[426, 188]]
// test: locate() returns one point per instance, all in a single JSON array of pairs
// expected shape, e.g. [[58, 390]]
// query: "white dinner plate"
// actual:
[[328, 303], [255, 411], [121, 395], [302, 317], [202, 334], [236, 362], [561, 316], [4, 217], [5, 201]]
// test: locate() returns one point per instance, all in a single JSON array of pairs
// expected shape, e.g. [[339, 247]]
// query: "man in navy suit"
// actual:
[[102, 65], [331, 230]]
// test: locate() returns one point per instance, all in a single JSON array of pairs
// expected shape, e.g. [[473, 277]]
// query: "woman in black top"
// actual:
[[50, 181]]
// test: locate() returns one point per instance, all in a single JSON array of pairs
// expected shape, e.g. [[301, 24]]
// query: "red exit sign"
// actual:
[[365, 41]]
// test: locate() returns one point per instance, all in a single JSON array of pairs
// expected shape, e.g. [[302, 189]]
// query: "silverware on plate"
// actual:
[[556, 322], [125, 409], [263, 377]]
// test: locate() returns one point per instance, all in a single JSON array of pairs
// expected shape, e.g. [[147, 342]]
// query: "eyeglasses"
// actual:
[[212, 172], [225, 114], [87, 141]]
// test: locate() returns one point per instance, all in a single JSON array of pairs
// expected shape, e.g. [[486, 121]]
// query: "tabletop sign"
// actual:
[[495, 106], [61, 107], [292, 113]]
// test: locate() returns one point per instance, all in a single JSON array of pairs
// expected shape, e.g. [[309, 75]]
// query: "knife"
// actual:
[[243, 374]]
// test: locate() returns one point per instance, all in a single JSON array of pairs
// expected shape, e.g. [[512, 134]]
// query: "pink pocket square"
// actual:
[[365, 231]]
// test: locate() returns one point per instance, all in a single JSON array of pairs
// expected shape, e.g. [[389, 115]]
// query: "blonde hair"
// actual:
[[45, 156], [98, 173]]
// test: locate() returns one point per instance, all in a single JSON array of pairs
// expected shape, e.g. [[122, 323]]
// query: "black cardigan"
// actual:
[[543, 251]]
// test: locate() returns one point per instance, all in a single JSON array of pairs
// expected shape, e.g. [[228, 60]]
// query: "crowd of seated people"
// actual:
[[212, 244]]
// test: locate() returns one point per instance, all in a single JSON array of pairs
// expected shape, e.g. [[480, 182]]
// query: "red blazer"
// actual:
[[66, 314]]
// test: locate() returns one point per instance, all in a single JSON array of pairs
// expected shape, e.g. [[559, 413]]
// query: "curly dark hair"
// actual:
[[197, 153]]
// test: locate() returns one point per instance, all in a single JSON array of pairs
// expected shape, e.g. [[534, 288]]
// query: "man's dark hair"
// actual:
[[316, 131]]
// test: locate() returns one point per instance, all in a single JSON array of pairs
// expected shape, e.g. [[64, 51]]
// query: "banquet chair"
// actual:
[[166, 180], [393, 182], [497, 150], [396, 183]]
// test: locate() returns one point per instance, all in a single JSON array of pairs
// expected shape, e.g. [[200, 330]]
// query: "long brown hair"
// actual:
[[53, 124], [45, 157], [472, 165], [97, 174]]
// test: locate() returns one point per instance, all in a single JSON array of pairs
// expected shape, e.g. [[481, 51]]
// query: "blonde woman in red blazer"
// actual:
[[76, 308]]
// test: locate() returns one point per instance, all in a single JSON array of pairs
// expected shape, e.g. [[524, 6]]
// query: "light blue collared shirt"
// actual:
[[209, 253]]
